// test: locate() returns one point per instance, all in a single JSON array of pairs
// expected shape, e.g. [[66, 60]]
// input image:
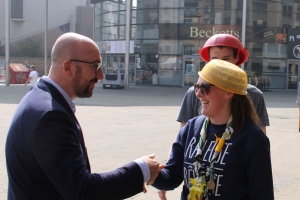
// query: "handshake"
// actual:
[[154, 168]]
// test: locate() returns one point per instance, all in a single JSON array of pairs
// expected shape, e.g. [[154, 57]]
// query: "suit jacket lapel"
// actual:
[[44, 85]]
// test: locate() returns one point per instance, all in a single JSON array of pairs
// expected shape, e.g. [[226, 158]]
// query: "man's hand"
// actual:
[[154, 167], [162, 194]]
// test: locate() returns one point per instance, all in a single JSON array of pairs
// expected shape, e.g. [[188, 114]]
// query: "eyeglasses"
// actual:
[[204, 88], [96, 65]]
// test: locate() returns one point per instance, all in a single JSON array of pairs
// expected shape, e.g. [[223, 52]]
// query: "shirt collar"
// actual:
[[63, 93]]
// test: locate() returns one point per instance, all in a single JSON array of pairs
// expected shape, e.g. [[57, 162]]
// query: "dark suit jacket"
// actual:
[[46, 156]]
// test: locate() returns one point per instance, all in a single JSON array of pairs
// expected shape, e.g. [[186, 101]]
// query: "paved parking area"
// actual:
[[122, 125]]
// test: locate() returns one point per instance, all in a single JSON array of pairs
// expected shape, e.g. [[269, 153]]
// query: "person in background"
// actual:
[[27, 65], [33, 77], [222, 154], [225, 47], [46, 156]]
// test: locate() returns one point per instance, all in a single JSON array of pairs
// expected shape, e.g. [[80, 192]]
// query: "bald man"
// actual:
[[45, 152]]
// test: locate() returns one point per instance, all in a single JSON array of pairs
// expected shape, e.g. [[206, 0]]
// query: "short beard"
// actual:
[[78, 90]]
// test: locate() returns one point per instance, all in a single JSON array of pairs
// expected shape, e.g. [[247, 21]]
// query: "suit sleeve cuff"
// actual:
[[145, 169]]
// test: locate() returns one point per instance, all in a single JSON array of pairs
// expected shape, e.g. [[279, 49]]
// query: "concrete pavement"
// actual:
[[122, 125]]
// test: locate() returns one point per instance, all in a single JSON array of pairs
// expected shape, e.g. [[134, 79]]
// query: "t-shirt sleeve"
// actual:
[[262, 111], [260, 107], [259, 104], [31, 74], [189, 107]]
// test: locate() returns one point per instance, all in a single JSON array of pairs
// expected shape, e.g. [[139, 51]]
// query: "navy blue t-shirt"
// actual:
[[242, 169]]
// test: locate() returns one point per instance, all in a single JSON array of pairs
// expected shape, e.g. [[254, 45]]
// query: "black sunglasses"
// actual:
[[204, 88]]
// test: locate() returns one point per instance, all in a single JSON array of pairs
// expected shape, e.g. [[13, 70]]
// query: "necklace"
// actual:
[[203, 186]]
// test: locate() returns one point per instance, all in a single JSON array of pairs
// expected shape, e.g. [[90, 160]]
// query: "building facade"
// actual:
[[165, 36], [27, 24]]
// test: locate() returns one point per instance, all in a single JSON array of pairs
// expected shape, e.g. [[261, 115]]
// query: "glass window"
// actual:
[[122, 32], [239, 21], [169, 47], [133, 30], [240, 5], [145, 68], [174, 15], [191, 12], [166, 10], [149, 31], [274, 50], [110, 19], [227, 4], [172, 4], [298, 12], [109, 6], [189, 49], [98, 36], [134, 4], [97, 21], [98, 8], [253, 65], [267, 73], [110, 33], [260, 13], [267, 68], [106, 61], [122, 3], [133, 17], [274, 66], [170, 70], [188, 21], [226, 20], [17, 9], [287, 11], [122, 17], [137, 46], [207, 9], [256, 49], [147, 4], [149, 46], [277, 81], [206, 21], [147, 16], [169, 62]]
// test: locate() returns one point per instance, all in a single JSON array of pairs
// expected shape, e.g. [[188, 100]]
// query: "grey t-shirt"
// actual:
[[191, 106]]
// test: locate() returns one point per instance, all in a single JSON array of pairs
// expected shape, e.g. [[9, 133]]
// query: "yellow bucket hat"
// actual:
[[225, 75]]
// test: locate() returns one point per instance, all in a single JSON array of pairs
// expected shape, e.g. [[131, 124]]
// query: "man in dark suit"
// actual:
[[45, 152]]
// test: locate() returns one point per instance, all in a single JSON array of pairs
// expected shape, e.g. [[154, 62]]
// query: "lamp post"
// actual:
[[7, 26], [127, 49], [244, 26], [46, 31]]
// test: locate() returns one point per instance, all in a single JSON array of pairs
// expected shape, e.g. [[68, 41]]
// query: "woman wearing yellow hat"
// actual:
[[222, 154]]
